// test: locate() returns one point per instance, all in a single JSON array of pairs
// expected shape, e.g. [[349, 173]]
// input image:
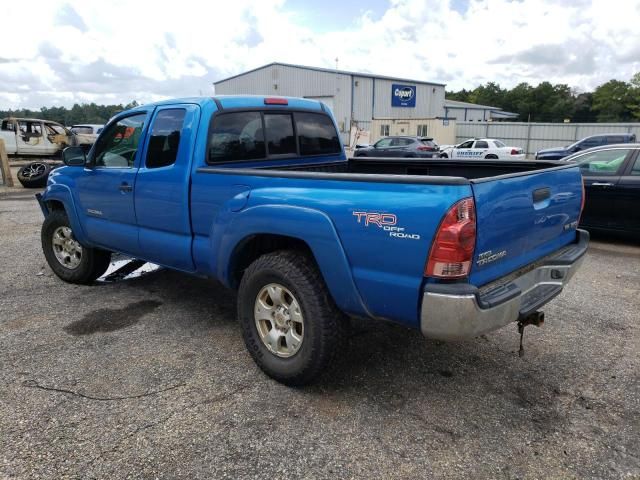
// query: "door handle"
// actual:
[[602, 184], [125, 187]]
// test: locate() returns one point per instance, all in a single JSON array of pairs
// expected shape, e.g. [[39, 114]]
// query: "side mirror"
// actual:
[[74, 157]]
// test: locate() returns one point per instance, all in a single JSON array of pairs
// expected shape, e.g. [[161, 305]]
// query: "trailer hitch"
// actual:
[[535, 318]]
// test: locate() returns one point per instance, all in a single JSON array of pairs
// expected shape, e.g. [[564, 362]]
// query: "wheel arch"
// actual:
[[267, 228], [59, 197]]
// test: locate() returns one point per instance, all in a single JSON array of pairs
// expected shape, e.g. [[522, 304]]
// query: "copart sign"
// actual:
[[403, 95]]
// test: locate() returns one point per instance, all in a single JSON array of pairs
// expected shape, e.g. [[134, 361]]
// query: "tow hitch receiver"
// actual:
[[535, 318]]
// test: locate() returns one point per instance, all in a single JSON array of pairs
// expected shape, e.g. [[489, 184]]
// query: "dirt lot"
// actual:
[[149, 378]]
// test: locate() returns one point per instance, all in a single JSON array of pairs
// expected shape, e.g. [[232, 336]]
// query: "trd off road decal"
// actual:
[[385, 221]]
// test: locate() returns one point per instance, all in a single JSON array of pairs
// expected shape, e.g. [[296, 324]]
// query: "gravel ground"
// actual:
[[149, 378]]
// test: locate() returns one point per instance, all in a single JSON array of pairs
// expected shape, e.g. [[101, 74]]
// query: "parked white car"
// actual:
[[481, 148], [86, 134]]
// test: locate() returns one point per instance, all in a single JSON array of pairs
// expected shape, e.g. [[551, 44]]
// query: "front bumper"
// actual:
[[460, 311]]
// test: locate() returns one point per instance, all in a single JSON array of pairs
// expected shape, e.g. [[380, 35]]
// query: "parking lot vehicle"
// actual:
[[612, 183], [584, 144], [86, 134], [32, 136], [407, 147], [486, 148], [258, 193]]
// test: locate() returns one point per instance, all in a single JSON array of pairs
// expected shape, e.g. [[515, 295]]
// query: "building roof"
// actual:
[[495, 111], [329, 70], [456, 104]]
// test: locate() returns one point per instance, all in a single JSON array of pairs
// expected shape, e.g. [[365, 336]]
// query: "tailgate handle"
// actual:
[[541, 194]]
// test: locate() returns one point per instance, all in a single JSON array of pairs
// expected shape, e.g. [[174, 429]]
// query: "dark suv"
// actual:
[[588, 142], [408, 147]]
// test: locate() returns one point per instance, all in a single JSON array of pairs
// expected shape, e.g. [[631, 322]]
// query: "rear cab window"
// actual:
[[264, 134], [165, 138]]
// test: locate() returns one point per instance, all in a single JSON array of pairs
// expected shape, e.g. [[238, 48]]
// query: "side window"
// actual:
[[385, 142], [592, 142], [82, 130], [635, 171], [317, 134], [165, 138], [118, 146], [615, 139], [602, 162], [481, 144], [280, 137], [236, 136], [466, 144]]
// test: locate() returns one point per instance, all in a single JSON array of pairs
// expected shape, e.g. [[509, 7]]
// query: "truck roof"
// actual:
[[25, 119], [239, 101]]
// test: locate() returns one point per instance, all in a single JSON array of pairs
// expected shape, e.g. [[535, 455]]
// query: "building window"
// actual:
[[422, 131], [384, 130]]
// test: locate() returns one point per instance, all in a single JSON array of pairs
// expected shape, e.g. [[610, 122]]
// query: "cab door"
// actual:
[[162, 186], [463, 150], [601, 171], [628, 195], [382, 147], [30, 139], [106, 189]]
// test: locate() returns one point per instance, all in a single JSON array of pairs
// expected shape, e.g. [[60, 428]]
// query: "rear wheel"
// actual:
[[68, 259], [290, 325], [444, 155], [491, 156]]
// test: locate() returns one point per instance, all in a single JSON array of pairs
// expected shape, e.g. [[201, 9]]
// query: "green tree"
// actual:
[[614, 101]]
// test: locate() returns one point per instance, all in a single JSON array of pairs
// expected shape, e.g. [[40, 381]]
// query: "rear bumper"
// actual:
[[460, 311]]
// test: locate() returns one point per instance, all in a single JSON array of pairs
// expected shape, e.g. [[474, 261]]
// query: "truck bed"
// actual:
[[400, 170]]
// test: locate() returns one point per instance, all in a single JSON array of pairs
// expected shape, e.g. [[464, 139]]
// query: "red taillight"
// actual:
[[515, 151], [452, 249], [276, 101], [425, 148]]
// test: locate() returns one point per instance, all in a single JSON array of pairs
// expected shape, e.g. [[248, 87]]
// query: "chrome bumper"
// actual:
[[460, 311]]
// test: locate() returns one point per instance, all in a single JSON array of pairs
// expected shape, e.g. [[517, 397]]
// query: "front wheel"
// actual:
[[444, 155], [68, 259], [289, 322]]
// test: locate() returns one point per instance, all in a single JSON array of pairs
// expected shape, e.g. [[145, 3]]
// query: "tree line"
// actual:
[[79, 113], [613, 101]]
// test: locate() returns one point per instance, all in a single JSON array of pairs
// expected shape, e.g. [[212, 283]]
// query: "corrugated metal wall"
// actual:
[[536, 136], [362, 101], [296, 82]]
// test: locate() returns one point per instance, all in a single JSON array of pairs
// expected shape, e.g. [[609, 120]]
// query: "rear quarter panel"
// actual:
[[385, 268]]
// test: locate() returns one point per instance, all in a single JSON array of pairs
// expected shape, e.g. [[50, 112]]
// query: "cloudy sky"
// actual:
[[62, 52]]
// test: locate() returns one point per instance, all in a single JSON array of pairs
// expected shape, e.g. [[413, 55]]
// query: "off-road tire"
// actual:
[[93, 263], [325, 327]]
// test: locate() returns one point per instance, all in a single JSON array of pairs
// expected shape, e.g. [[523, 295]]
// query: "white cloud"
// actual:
[[78, 51]]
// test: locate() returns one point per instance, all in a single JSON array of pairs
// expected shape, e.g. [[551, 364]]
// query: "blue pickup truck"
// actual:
[[257, 192]]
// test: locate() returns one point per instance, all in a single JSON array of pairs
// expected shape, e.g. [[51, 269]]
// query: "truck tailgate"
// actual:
[[523, 217]]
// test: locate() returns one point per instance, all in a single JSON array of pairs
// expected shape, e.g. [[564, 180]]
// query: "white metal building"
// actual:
[[356, 99], [471, 112]]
